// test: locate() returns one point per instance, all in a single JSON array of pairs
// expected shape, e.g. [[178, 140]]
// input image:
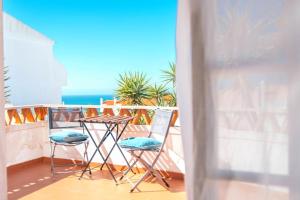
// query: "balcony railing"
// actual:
[[27, 134], [15, 115]]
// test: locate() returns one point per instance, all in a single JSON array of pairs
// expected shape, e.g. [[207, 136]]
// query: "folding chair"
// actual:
[[62, 119], [153, 143]]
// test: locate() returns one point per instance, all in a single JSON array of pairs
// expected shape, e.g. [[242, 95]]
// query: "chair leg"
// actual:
[[128, 170], [52, 155], [131, 166], [151, 170], [160, 178], [139, 181], [52, 148], [163, 178], [155, 173], [87, 165]]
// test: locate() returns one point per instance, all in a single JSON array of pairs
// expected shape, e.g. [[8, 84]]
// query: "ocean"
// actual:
[[85, 99]]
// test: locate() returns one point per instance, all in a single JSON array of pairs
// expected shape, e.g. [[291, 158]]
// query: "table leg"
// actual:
[[97, 146], [116, 144], [109, 133], [98, 149], [118, 136]]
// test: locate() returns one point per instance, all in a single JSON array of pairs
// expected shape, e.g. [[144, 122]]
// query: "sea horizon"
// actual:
[[84, 99]]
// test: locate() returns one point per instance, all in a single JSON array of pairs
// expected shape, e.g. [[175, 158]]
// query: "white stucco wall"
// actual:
[[30, 141], [170, 160], [35, 74], [25, 142]]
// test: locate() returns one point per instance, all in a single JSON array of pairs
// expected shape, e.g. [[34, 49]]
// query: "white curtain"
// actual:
[[238, 84], [3, 178]]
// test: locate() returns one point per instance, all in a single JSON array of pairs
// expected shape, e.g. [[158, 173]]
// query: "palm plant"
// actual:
[[173, 100], [170, 74], [158, 92], [133, 88], [6, 87]]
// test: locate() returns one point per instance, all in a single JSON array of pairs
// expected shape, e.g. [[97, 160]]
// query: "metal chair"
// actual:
[[61, 119], [159, 131]]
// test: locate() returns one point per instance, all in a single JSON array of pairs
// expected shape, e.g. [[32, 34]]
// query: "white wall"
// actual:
[[30, 141], [35, 75], [25, 142], [170, 160]]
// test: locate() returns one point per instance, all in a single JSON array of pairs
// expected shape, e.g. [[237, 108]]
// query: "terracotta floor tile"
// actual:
[[35, 183]]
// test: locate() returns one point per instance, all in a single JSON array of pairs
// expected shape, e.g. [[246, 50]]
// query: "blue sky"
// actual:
[[98, 39]]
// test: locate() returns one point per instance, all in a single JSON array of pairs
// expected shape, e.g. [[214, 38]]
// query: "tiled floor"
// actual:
[[34, 182]]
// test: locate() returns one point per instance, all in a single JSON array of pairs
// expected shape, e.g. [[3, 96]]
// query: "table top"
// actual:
[[106, 119]]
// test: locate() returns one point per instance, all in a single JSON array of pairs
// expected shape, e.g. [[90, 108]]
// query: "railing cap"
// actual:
[[117, 106]]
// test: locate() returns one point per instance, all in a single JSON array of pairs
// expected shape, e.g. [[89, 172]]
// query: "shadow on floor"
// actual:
[[35, 181]]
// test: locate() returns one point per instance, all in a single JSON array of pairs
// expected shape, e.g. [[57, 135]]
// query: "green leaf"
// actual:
[[133, 88], [169, 75], [158, 92]]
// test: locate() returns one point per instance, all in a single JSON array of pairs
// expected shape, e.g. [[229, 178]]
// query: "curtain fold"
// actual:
[[3, 178], [238, 85]]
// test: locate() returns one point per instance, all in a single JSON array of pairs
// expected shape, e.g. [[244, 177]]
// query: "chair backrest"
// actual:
[[60, 118], [160, 124]]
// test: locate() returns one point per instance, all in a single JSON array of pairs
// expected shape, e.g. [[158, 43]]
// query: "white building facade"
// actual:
[[36, 77]]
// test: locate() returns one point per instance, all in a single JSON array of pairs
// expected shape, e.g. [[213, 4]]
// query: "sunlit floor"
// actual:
[[34, 182]]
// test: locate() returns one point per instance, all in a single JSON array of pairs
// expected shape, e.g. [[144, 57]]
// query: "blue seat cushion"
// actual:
[[68, 137], [140, 143]]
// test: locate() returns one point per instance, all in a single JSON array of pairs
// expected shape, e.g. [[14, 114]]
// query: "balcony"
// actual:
[[28, 151], [28, 162]]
